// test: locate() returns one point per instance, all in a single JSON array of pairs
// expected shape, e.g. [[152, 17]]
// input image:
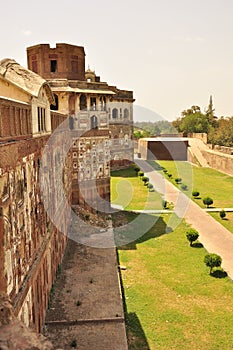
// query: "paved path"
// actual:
[[87, 302], [196, 146], [215, 238]]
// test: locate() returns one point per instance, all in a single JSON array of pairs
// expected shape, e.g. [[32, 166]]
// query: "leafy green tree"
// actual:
[[212, 119], [139, 134], [195, 122], [212, 260], [192, 235], [208, 201], [223, 134], [192, 121]]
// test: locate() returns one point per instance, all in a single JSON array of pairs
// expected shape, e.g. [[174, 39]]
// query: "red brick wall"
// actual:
[[70, 61], [15, 120]]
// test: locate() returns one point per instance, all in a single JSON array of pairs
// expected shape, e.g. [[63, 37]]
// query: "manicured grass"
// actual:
[[207, 181], [226, 222], [129, 191], [172, 302]]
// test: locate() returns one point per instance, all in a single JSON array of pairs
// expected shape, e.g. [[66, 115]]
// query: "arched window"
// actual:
[[126, 113], [55, 107], [115, 113], [83, 102], [94, 122]]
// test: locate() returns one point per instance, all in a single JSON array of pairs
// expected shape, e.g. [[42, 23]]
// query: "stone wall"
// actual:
[[200, 136], [31, 247], [221, 162]]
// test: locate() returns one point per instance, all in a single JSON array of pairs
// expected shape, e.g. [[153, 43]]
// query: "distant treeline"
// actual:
[[147, 129]]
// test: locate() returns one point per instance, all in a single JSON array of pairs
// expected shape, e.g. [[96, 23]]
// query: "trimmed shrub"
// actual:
[[212, 260], [208, 201], [141, 174], [222, 214], [150, 187], [192, 235], [195, 194], [145, 179]]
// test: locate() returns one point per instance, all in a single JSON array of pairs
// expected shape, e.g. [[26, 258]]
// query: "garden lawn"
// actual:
[[128, 191], [226, 222], [172, 302], [207, 181]]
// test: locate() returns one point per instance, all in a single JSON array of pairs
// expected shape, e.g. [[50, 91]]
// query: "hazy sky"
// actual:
[[171, 53]]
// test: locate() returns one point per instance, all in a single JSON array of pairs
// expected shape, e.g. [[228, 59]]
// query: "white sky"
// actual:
[[171, 53]]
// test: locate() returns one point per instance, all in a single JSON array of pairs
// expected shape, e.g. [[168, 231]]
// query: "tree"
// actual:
[[212, 260], [210, 114], [192, 120], [222, 214], [139, 134], [208, 201], [223, 134], [192, 235], [195, 194]]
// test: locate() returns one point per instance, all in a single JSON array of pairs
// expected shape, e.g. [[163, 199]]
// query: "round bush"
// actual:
[[195, 194], [192, 235], [222, 214], [208, 201]]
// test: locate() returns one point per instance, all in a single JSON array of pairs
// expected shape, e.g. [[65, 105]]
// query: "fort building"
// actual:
[[102, 114], [35, 102]]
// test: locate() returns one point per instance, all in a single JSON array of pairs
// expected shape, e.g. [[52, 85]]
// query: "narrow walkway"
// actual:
[[86, 309], [215, 238]]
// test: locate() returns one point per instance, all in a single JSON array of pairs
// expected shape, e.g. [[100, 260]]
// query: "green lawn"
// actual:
[[172, 302], [227, 222], [129, 191], [207, 181]]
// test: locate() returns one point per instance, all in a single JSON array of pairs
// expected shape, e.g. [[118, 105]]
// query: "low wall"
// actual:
[[221, 162], [223, 149], [200, 136]]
